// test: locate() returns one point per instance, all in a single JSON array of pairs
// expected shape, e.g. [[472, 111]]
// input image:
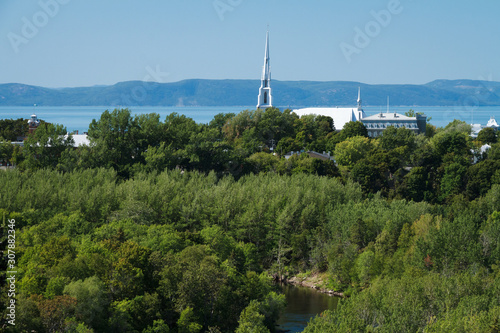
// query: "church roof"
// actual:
[[80, 139], [389, 116], [340, 116]]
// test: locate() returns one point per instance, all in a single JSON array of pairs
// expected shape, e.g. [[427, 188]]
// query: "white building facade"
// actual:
[[340, 116], [377, 123]]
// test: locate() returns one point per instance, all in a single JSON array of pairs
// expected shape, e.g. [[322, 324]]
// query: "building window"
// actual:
[[265, 98]]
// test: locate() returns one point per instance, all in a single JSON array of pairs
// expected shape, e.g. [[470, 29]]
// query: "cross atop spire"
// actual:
[[265, 97]]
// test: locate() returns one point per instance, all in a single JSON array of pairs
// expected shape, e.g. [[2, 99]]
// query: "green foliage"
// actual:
[[11, 129], [364, 265], [187, 322], [458, 126], [352, 129], [78, 328], [490, 239], [306, 164], [263, 162], [487, 135], [116, 137], [430, 302], [159, 326], [350, 151], [418, 185], [452, 142], [452, 182], [393, 138], [55, 286], [92, 301], [430, 130], [480, 177], [261, 316], [369, 176], [206, 152], [161, 157], [287, 145], [251, 320], [110, 238], [6, 152], [271, 307], [128, 258], [494, 152], [240, 144], [43, 148]]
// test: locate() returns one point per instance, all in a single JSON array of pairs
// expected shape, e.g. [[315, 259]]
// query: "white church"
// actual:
[[340, 116], [375, 124]]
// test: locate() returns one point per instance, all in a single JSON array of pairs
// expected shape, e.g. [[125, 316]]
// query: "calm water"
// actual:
[[302, 305], [79, 117]]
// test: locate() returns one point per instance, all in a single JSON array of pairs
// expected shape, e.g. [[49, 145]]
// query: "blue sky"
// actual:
[[90, 42]]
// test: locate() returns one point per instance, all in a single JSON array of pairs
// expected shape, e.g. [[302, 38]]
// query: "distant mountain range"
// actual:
[[291, 94]]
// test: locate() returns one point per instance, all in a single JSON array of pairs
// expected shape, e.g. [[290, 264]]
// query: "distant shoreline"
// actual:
[[233, 93]]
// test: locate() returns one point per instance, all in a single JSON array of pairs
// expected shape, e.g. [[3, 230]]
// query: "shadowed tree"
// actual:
[[43, 148], [487, 135], [352, 129], [112, 137]]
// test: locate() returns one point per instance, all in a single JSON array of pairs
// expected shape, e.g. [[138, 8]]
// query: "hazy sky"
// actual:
[[67, 43]]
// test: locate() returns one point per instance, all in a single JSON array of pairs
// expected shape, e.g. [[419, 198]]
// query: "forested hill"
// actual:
[[178, 227], [244, 92]]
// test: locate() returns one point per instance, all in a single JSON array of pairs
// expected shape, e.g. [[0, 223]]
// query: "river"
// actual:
[[79, 117], [302, 305]]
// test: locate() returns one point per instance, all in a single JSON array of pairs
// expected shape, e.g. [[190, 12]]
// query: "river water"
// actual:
[[302, 305], [79, 117]]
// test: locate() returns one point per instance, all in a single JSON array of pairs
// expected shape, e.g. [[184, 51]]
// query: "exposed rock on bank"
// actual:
[[315, 282]]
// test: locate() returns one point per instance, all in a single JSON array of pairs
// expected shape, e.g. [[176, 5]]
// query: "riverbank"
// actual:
[[314, 281]]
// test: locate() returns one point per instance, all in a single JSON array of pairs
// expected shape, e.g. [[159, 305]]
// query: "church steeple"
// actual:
[[361, 113], [359, 99], [265, 97]]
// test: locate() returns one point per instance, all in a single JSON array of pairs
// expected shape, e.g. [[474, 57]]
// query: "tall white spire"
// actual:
[[359, 99], [265, 96]]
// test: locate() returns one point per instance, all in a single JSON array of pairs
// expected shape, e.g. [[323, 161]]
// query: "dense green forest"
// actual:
[[174, 226]]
